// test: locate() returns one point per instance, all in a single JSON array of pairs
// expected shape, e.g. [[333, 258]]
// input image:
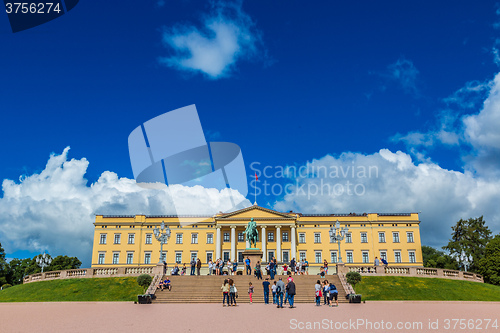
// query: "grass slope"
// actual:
[[386, 288], [74, 290]]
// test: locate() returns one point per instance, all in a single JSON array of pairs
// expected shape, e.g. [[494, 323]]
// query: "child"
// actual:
[[250, 291], [285, 269]]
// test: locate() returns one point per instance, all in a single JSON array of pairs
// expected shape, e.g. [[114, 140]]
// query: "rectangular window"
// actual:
[[366, 260], [178, 238], [178, 257], [333, 257], [302, 255], [163, 257], [364, 238], [194, 255], [210, 256], [240, 256], [317, 256], [102, 239], [147, 257], [270, 236], [383, 255], [270, 255], [411, 255], [194, 238], [409, 237], [381, 237], [210, 238], [349, 258], [226, 237], [284, 237], [395, 237], [225, 255], [131, 238], [116, 258], [348, 238], [286, 256], [117, 238], [101, 259], [397, 257], [130, 258], [302, 237], [317, 237], [149, 238], [241, 237]]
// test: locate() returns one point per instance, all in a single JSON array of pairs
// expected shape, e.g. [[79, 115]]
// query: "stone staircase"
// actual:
[[207, 289]]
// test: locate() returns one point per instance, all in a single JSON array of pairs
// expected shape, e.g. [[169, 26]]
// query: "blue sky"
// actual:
[[290, 82]]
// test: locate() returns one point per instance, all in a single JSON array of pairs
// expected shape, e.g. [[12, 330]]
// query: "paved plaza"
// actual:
[[410, 316]]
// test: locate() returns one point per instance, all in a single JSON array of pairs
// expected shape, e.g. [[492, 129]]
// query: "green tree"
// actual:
[[144, 280], [469, 239], [489, 266], [353, 278], [63, 262], [4, 267], [18, 269], [437, 259]]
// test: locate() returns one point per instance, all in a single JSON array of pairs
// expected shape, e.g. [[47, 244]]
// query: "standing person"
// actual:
[[225, 292], [266, 285], [210, 267], [292, 266], [250, 291], [286, 290], [280, 289], [273, 289], [306, 267], [221, 267], [198, 266], [271, 269], [258, 271], [216, 267], [235, 267], [334, 293], [232, 292], [229, 265], [317, 291], [193, 265], [184, 269], [299, 267], [164, 267], [290, 289], [247, 264], [275, 266], [326, 290], [325, 266], [377, 262], [285, 269]]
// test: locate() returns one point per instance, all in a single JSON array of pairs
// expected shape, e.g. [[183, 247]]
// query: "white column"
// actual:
[[294, 246], [218, 244], [264, 254], [278, 243], [233, 243]]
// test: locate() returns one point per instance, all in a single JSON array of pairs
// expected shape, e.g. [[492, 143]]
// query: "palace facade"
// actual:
[[130, 241]]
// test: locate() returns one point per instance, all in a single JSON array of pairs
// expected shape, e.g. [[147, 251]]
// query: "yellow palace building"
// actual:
[[129, 241]]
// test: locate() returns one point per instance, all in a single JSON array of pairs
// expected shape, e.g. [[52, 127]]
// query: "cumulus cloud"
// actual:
[[226, 36], [54, 210], [395, 184]]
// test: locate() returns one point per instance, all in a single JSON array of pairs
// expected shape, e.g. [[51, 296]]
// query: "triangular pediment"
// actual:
[[257, 213]]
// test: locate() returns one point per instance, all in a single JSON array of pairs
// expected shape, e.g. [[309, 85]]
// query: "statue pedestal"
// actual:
[[254, 255]]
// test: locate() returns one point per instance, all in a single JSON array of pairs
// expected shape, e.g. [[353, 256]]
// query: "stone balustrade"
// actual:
[[93, 273], [411, 271]]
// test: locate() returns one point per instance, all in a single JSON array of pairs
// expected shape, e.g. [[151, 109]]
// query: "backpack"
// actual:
[[333, 289], [278, 289]]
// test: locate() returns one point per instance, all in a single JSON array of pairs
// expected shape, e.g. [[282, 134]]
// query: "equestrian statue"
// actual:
[[252, 233]]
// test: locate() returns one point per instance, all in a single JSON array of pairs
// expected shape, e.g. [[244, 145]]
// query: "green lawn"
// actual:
[[386, 288], [74, 290]]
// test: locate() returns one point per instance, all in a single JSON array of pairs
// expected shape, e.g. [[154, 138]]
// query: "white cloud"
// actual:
[[54, 210], [226, 36], [401, 185]]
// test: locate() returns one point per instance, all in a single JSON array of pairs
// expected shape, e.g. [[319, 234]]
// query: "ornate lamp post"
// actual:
[[162, 235], [43, 261], [337, 235], [464, 260]]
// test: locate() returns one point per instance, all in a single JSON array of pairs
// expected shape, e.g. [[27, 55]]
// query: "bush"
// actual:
[[353, 278], [144, 280], [5, 286]]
